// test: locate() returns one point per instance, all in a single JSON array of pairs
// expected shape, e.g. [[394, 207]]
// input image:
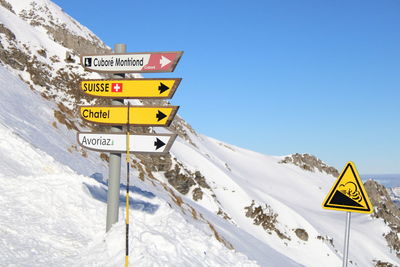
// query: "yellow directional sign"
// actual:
[[134, 88], [138, 115], [348, 193]]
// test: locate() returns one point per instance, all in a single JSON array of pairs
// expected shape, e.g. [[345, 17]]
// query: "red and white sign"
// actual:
[[116, 87], [132, 62]]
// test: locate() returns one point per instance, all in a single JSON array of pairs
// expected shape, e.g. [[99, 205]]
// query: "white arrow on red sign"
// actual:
[[164, 61], [116, 142], [132, 62]]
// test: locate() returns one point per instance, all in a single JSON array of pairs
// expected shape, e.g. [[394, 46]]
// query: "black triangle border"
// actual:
[[329, 198]]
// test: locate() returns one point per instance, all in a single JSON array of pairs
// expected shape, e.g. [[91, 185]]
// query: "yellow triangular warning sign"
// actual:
[[348, 193]]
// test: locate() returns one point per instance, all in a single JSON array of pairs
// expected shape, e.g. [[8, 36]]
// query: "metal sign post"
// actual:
[[346, 240], [348, 194], [114, 170], [118, 88]]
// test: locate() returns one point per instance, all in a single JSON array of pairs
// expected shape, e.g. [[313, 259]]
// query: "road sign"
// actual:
[[116, 142], [138, 115], [135, 88], [132, 62], [348, 193]]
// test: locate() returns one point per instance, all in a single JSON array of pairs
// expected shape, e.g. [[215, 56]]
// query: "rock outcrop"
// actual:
[[385, 209], [310, 163], [266, 217]]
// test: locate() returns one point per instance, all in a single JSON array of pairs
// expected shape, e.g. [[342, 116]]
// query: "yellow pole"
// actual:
[[127, 194]]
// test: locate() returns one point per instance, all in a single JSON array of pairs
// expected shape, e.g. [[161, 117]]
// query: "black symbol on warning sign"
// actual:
[[350, 189], [348, 193], [88, 62], [346, 196]]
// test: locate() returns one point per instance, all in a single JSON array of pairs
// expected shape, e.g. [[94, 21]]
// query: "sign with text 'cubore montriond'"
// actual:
[[348, 193], [138, 115], [132, 62], [116, 142], [135, 88]]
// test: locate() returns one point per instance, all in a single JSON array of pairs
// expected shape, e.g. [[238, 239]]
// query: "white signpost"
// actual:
[[116, 142]]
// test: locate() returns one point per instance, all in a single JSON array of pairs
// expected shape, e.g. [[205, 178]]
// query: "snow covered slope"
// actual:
[[53, 216], [240, 176], [207, 204], [395, 195]]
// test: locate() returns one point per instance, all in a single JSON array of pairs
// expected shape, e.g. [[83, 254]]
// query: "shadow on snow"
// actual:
[[100, 193]]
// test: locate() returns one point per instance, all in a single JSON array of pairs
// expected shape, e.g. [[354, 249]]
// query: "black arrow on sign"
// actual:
[[160, 116], [158, 143], [162, 88]]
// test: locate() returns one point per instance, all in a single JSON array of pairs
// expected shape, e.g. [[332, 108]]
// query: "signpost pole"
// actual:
[[346, 240], [114, 171], [352, 197]]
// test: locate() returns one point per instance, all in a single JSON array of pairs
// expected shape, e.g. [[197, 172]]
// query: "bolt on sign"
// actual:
[[116, 142], [131, 88], [348, 193], [132, 62], [138, 115]]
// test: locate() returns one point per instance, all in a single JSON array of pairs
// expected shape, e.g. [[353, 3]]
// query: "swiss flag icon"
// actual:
[[116, 87]]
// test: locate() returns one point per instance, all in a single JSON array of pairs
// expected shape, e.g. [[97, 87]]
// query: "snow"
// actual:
[[242, 198], [53, 220], [54, 216], [33, 37], [32, 118], [161, 240], [50, 13], [31, 40], [394, 194], [54, 200], [296, 195]]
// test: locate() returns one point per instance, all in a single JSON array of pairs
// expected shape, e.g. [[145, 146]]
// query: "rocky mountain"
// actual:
[[253, 209], [385, 209]]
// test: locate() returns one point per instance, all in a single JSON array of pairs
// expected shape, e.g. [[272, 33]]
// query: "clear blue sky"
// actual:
[[278, 77]]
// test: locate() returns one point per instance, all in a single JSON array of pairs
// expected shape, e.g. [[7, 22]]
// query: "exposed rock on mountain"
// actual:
[[310, 163], [385, 209], [183, 180], [40, 15], [266, 218], [7, 5], [302, 234]]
